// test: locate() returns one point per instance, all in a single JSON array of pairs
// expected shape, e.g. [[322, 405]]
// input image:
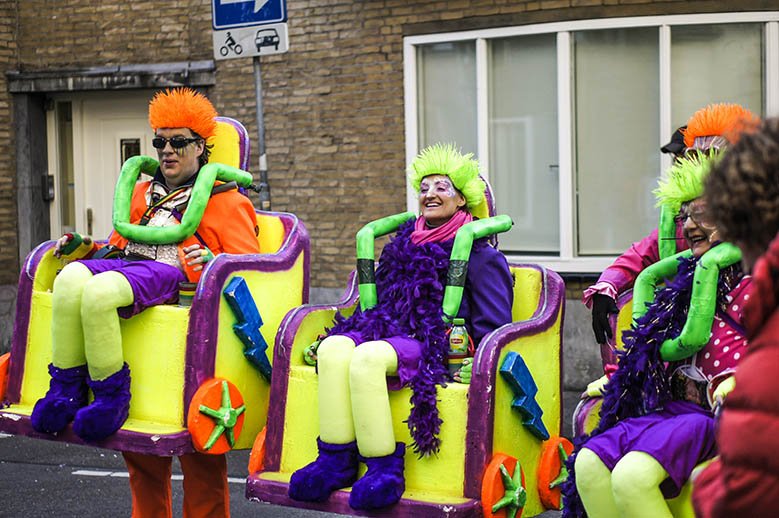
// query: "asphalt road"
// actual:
[[41, 478]]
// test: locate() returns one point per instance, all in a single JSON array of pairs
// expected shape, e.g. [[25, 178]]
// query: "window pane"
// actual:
[[523, 140], [698, 74], [446, 76], [67, 199], [617, 137]]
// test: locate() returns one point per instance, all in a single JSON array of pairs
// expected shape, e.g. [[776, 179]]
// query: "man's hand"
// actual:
[[463, 374], [68, 244], [602, 307], [197, 255]]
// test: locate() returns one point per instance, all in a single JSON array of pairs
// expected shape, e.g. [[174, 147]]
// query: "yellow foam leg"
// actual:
[[67, 337], [593, 482], [334, 355], [635, 483], [102, 295], [371, 363]]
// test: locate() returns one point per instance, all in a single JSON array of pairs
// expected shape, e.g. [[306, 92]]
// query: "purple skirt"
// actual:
[[679, 437], [153, 283], [409, 352]]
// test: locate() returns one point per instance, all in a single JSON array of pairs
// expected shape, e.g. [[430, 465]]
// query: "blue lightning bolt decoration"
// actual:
[[517, 375], [255, 348]]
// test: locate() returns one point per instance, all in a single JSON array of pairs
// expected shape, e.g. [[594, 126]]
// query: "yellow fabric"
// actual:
[[361, 414], [635, 484], [631, 490], [67, 337], [336, 425], [102, 295], [84, 321], [593, 482], [371, 363]]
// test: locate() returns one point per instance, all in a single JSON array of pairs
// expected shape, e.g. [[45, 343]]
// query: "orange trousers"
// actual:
[[205, 485]]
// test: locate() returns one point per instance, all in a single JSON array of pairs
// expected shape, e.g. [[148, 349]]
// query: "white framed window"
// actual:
[[566, 119]]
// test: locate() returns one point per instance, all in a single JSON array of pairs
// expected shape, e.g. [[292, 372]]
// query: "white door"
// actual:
[[106, 128]]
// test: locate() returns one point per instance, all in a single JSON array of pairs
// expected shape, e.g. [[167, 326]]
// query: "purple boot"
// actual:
[[334, 468], [110, 408], [67, 393], [384, 482]]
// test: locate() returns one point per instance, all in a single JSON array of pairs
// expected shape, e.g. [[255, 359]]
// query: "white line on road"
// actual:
[[124, 474]]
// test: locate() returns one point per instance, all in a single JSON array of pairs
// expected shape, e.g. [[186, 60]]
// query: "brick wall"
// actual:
[[74, 33], [8, 238], [333, 104]]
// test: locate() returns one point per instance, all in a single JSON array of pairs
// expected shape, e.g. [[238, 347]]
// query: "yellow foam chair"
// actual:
[[173, 351]]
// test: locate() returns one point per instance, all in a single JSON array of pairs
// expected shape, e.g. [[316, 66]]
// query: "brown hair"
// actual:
[[742, 190]]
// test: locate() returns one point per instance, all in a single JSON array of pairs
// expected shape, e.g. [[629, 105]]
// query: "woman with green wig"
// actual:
[[403, 337], [657, 419]]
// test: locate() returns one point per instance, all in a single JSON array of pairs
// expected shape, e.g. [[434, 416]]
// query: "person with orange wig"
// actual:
[[713, 127], [96, 289]]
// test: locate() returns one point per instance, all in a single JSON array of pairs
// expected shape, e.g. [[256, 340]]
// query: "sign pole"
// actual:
[[264, 185]]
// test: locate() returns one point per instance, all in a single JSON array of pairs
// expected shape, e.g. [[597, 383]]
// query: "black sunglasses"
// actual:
[[175, 142]]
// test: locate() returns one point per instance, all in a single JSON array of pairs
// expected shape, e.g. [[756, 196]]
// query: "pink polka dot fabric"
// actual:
[[727, 344]]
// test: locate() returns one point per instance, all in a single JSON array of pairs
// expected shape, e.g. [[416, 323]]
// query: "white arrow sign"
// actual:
[[258, 4]]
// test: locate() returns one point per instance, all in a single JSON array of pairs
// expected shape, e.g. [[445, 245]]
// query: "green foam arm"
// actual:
[[201, 192], [123, 194], [703, 303], [461, 252], [666, 233], [366, 255], [649, 278]]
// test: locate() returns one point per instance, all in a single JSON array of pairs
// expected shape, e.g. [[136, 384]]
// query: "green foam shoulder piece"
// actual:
[[201, 192]]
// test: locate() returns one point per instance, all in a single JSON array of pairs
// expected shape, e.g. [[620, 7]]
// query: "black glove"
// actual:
[[602, 307]]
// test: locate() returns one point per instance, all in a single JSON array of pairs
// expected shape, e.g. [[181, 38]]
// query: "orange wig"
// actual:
[[724, 119], [183, 108]]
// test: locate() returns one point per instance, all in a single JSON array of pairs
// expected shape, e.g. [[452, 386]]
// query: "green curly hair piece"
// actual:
[[446, 160], [684, 181]]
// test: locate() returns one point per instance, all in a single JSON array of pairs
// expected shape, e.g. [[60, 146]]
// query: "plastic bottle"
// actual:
[[458, 345]]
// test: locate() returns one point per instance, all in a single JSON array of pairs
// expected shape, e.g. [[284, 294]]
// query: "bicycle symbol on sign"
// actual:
[[229, 45]]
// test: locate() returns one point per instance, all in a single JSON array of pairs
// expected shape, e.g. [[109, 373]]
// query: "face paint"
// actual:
[[437, 185], [438, 199]]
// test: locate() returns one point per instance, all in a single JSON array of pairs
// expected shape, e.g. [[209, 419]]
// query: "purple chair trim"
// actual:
[[276, 492], [123, 440]]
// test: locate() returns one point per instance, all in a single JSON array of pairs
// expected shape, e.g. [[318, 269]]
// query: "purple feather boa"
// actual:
[[410, 282], [641, 383]]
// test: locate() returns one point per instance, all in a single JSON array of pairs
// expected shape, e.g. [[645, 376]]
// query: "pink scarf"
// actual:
[[445, 232]]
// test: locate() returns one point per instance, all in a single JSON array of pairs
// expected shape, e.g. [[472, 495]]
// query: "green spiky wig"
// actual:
[[685, 181], [461, 169]]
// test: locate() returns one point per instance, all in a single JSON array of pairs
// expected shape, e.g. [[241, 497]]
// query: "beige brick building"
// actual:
[[341, 119]]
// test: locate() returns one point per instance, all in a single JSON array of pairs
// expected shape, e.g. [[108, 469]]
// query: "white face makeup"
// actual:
[[438, 199], [440, 185]]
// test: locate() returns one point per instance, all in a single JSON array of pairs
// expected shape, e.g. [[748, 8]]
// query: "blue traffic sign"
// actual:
[[228, 14]]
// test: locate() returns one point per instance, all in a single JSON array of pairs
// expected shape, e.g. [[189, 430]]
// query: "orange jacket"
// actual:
[[229, 224]]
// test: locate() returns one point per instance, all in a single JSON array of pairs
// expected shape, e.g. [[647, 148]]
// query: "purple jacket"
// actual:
[[489, 292]]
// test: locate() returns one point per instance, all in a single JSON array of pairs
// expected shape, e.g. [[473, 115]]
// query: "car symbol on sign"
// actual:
[[267, 38]]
